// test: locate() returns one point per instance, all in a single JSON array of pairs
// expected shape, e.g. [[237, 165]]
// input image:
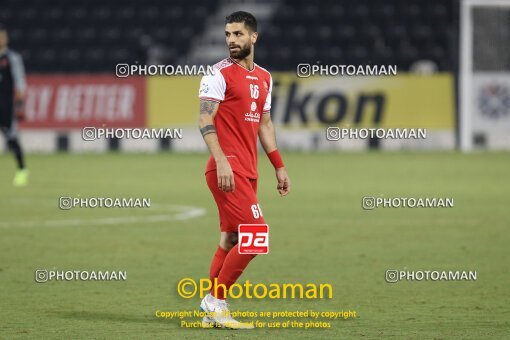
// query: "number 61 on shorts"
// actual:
[[256, 211]]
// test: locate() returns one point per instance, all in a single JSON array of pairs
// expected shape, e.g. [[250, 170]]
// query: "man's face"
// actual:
[[3, 39], [239, 39]]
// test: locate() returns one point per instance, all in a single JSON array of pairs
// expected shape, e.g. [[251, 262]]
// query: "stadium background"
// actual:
[[320, 233], [71, 63]]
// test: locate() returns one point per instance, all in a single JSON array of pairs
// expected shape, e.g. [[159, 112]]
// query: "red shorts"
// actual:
[[238, 207]]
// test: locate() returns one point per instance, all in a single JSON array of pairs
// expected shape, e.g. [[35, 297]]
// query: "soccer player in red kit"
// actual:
[[235, 105]]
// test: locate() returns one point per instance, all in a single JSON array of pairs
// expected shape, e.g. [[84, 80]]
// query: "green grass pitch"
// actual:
[[319, 234]]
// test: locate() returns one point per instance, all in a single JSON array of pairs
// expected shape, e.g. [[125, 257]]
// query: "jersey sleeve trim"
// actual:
[[210, 99]]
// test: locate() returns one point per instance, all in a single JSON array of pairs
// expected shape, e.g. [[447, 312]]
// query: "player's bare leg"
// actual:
[[228, 240]]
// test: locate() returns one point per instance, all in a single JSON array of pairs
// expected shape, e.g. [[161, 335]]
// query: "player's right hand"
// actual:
[[225, 176]]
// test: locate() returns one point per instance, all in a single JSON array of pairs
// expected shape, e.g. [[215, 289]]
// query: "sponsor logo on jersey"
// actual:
[[252, 78], [252, 117]]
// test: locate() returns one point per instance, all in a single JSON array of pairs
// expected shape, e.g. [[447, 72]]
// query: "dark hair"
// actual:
[[249, 20]]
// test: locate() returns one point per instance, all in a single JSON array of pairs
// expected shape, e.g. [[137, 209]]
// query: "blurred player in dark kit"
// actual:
[[12, 97]]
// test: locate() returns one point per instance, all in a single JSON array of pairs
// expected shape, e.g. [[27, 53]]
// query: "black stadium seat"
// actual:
[[94, 35], [362, 31]]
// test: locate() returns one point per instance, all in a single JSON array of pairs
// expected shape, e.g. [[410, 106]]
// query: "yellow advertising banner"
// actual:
[[403, 101], [172, 101]]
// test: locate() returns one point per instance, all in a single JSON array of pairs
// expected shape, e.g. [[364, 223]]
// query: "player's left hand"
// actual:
[[283, 181]]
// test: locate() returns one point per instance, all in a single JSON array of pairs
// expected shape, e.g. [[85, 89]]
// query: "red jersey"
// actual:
[[244, 96]]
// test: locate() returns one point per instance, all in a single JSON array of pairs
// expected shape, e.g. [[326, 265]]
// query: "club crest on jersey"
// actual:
[[253, 106]]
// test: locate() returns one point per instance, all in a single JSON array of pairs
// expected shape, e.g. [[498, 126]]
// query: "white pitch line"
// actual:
[[184, 213]]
